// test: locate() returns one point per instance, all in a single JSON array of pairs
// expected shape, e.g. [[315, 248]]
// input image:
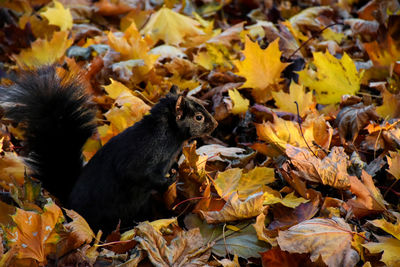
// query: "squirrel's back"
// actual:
[[54, 113]]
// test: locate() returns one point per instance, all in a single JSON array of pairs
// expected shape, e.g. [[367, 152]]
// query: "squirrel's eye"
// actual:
[[199, 117]]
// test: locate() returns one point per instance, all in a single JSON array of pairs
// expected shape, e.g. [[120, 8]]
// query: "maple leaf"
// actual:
[[186, 249], [282, 132], [286, 102], [33, 232], [171, 27], [59, 16], [390, 107], [390, 248], [329, 239], [261, 68], [235, 209], [384, 53], [332, 78], [394, 164], [133, 46], [240, 104], [44, 52]]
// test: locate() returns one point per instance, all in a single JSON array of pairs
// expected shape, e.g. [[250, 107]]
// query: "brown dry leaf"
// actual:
[[308, 17], [236, 209], [80, 229], [228, 36], [332, 170], [363, 27], [112, 8], [275, 257], [33, 233], [43, 52], [329, 239], [186, 249], [12, 169], [352, 119], [261, 68], [368, 198]]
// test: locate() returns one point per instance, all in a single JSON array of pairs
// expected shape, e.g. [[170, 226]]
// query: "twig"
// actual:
[[312, 37], [301, 129]]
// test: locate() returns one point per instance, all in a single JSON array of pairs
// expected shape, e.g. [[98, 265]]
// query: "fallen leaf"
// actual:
[[331, 170], [352, 119], [332, 78], [290, 200], [275, 257], [59, 16], [245, 184], [171, 27], [33, 232], [187, 249], [261, 68], [390, 228], [235, 209], [43, 52], [286, 102], [329, 239], [390, 248], [240, 104], [368, 198], [390, 107], [79, 228], [394, 164]]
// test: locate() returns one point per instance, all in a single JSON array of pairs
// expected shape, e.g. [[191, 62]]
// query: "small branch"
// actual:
[[312, 37], [301, 129]]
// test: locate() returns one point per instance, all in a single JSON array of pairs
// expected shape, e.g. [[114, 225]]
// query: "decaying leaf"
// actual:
[[235, 209], [368, 198], [186, 249], [329, 239], [331, 170], [352, 119]]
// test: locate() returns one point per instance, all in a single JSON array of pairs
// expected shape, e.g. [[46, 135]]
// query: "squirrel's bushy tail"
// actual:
[[57, 121]]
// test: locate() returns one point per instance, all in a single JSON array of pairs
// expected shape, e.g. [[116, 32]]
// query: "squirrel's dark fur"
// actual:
[[116, 184]]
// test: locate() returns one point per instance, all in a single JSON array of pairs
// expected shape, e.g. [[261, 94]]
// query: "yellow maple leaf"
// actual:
[[33, 232], [282, 132], [240, 104], [133, 46], [171, 27], [285, 102], [332, 78], [43, 52], [390, 107], [390, 248], [261, 68], [58, 16], [394, 165], [233, 180]]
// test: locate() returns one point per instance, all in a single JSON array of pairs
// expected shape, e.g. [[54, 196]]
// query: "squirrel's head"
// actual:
[[192, 119]]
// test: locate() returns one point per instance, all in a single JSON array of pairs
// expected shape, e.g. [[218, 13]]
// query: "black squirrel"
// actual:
[[117, 182]]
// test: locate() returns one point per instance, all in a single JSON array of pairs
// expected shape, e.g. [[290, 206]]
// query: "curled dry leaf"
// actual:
[[368, 198], [329, 239], [352, 119], [235, 209], [332, 170], [80, 229], [186, 249]]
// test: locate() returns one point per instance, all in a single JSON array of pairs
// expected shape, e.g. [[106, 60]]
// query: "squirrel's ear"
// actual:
[[174, 90], [179, 107]]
